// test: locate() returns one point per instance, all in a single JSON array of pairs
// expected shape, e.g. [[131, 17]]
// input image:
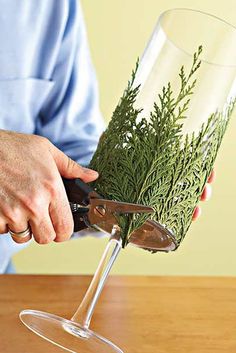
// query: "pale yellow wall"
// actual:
[[118, 30]]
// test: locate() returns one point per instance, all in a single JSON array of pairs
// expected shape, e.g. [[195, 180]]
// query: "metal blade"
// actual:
[[119, 207], [154, 237]]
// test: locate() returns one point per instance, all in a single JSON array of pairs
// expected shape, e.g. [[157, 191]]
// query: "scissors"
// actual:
[[90, 210]]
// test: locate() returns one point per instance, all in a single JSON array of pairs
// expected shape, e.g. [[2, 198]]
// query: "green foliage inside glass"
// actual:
[[151, 162]]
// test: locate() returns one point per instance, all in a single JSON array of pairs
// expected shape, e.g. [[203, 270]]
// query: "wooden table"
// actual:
[[140, 314]]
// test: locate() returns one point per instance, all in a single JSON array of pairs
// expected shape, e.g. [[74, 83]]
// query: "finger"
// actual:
[[3, 227], [212, 176], [21, 239], [17, 222], [69, 168], [61, 216], [207, 192], [42, 229], [197, 213]]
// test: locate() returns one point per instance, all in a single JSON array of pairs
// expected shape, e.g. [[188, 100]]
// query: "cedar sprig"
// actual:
[[150, 161]]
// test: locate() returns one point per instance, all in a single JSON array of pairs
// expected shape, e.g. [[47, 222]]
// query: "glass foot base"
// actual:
[[66, 334]]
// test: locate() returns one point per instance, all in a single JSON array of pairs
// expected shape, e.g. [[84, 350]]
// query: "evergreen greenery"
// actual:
[[151, 162]]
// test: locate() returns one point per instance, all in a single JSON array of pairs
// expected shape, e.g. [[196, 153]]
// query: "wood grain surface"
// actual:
[[139, 314]]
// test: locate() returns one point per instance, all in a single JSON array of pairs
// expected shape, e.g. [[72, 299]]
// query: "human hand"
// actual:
[[205, 195], [31, 188]]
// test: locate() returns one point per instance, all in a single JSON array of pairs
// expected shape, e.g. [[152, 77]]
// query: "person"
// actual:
[[48, 104], [49, 119]]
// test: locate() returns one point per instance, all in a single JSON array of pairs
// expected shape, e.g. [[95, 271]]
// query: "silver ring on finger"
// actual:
[[22, 236]]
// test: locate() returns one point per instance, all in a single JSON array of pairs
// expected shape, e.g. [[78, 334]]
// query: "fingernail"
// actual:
[[208, 192], [90, 171]]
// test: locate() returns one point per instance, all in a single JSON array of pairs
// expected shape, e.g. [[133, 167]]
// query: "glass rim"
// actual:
[[176, 9]]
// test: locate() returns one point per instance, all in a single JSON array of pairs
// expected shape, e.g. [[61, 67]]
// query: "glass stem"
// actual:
[[85, 311]]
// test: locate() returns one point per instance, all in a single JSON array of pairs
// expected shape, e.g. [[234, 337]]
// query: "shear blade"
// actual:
[[120, 207], [154, 237]]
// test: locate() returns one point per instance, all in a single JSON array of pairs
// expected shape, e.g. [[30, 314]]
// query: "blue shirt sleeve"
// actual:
[[70, 117]]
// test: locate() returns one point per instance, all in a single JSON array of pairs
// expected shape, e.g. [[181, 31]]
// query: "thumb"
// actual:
[[70, 169]]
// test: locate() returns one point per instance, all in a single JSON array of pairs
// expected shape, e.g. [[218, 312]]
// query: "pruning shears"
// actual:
[[90, 210]]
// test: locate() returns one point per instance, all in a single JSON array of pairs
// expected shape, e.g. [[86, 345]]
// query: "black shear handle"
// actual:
[[78, 193]]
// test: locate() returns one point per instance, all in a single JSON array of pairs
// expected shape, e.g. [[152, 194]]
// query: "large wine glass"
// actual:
[[74, 335], [177, 35]]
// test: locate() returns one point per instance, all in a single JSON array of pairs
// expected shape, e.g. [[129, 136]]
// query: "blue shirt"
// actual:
[[47, 82]]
